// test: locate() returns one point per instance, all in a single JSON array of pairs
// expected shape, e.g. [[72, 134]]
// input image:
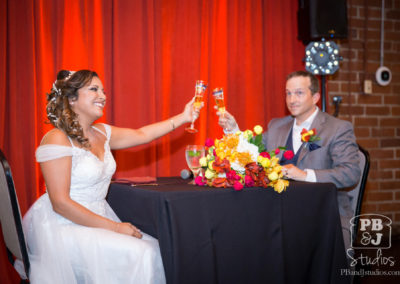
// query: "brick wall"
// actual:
[[376, 116]]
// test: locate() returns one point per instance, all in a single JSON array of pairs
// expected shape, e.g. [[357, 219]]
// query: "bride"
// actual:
[[73, 235]]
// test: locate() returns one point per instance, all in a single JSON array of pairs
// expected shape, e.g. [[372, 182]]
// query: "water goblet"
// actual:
[[200, 89], [193, 154]]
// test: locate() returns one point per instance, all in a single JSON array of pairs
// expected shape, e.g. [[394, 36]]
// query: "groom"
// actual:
[[332, 157]]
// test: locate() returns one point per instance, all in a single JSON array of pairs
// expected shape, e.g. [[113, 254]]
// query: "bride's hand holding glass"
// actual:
[[198, 103], [191, 113]]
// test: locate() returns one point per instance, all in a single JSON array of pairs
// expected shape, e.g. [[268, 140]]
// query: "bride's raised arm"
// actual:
[[122, 138]]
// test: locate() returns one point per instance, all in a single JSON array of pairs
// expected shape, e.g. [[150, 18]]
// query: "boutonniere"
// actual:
[[309, 137]]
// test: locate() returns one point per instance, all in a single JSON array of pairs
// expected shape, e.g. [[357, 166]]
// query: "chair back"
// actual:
[[357, 193], [10, 216]]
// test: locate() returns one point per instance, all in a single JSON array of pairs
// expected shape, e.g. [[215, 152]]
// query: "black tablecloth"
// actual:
[[210, 235]]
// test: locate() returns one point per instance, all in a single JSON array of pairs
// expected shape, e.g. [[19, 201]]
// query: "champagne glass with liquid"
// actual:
[[200, 89], [218, 95], [193, 155]]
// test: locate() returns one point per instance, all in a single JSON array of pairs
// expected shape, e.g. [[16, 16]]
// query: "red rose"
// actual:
[[249, 182], [265, 155], [231, 175], [209, 142], [237, 186], [277, 151], [199, 181], [288, 155]]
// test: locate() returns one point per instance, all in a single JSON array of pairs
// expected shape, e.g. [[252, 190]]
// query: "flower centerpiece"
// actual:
[[240, 159]]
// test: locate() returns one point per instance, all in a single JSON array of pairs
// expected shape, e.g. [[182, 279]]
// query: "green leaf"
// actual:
[[314, 138], [258, 139]]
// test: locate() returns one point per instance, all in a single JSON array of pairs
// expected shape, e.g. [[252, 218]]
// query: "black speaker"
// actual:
[[322, 19]]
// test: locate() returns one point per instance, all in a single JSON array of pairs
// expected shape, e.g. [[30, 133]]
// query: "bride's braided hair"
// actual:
[[58, 108]]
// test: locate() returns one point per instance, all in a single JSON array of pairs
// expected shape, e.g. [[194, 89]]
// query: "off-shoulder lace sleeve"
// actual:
[[49, 152], [108, 130]]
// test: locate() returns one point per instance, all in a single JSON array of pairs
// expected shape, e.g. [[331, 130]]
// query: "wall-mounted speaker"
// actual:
[[322, 19]]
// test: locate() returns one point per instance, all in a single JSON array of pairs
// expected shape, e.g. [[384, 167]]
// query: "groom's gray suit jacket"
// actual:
[[336, 161]]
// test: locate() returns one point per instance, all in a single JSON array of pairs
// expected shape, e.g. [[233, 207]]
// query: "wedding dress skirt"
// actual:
[[61, 251]]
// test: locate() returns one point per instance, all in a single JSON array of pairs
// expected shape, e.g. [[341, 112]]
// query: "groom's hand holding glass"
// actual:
[[227, 121]]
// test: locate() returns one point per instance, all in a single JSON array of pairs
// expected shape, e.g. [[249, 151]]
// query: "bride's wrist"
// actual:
[[116, 227]]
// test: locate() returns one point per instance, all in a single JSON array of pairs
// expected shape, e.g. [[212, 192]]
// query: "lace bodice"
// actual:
[[61, 251], [90, 177]]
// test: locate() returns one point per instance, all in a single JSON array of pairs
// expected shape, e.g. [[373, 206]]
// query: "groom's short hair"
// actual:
[[314, 87]]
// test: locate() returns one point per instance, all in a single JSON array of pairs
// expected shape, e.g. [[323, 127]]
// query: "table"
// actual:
[[210, 235]]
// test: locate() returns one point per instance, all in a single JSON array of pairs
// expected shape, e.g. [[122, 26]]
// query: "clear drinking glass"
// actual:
[[200, 89], [193, 155]]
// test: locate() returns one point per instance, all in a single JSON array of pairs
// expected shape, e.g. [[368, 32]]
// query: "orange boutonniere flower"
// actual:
[[309, 137]]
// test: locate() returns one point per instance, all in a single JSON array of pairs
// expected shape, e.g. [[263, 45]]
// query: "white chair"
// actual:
[[10, 217]]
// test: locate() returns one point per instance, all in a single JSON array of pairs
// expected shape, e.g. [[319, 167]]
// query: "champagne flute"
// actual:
[[200, 89], [193, 155], [218, 94]]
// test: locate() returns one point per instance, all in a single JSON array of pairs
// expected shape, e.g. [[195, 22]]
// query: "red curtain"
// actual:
[[149, 53]]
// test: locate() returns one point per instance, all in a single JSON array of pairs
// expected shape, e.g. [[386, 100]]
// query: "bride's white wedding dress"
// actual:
[[61, 251]]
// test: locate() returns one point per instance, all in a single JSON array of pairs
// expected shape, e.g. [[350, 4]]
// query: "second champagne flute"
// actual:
[[218, 95], [200, 89]]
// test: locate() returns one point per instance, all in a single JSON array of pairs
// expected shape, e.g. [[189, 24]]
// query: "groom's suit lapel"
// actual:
[[282, 139], [318, 125]]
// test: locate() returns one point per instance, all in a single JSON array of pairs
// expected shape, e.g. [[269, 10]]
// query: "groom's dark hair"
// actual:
[[314, 87]]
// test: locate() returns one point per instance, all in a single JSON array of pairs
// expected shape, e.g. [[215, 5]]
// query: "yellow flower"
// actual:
[[247, 134], [273, 176], [232, 142], [306, 136], [258, 129], [203, 161], [274, 161], [209, 174], [266, 163], [260, 159], [280, 185], [243, 158], [210, 165]]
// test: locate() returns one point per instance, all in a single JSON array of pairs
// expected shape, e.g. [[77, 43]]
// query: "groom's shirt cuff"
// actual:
[[311, 177], [234, 130]]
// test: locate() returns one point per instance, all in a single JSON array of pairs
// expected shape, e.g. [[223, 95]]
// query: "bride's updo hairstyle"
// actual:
[[59, 112]]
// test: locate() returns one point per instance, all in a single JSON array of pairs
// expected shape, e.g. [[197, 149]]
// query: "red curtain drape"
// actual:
[[149, 53]]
